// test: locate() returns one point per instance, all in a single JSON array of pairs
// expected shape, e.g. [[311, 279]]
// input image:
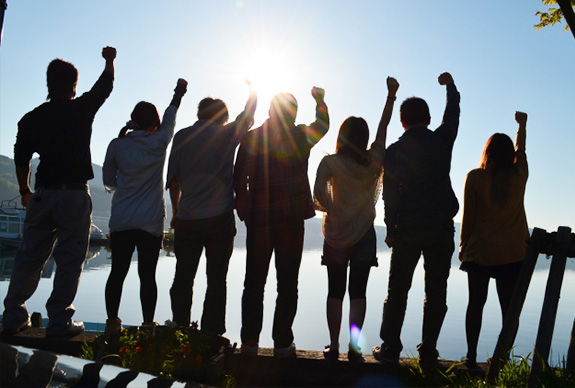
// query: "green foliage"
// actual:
[[552, 16], [514, 373], [87, 351], [169, 352]]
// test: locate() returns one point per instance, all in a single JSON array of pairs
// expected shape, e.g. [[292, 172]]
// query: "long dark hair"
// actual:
[[144, 116], [499, 156], [352, 140]]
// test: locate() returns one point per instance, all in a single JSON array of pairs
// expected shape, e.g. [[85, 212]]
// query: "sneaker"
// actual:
[[288, 351], [17, 329], [354, 354], [113, 326], [250, 348], [384, 357], [331, 354], [72, 329]]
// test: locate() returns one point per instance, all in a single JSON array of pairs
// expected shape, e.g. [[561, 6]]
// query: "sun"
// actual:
[[270, 70]]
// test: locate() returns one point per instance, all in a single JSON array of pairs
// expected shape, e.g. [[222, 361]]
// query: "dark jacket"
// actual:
[[417, 188]]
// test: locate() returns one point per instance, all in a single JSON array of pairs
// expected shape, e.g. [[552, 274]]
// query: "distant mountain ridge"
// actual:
[[102, 203]]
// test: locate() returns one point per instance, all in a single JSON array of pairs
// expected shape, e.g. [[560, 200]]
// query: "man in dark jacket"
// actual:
[[419, 208]]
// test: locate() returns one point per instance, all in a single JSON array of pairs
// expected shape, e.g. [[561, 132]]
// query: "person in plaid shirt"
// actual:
[[273, 198]]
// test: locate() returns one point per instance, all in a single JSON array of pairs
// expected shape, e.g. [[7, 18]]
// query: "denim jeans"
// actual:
[[57, 223], [216, 235], [287, 244], [437, 247]]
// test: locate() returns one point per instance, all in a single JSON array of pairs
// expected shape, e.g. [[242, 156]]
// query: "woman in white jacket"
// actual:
[[133, 171], [347, 187]]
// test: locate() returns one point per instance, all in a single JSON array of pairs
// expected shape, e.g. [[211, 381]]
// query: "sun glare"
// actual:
[[270, 72]]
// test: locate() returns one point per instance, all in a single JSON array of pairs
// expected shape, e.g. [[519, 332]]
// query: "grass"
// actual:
[[514, 373]]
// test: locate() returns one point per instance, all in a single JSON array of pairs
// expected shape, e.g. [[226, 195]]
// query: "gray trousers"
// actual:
[[57, 223]]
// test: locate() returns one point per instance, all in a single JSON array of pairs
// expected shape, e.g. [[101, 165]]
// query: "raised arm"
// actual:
[[392, 86], [109, 54], [450, 122], [245, 120], [319, 127], [179, 92], [520, 139], [166, 130]]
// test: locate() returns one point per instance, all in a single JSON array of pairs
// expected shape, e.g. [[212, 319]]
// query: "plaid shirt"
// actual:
[[271, 171]]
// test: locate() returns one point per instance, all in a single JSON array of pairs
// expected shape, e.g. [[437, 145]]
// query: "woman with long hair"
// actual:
[[494, 229], [347, 187], [133, 170]]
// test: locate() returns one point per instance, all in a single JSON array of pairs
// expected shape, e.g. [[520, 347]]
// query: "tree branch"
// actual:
[[568, 14]]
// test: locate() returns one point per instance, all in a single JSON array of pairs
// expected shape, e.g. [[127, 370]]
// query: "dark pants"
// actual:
[[437, 247], [123, 244], [57, 223], [287, 243], [216, 234], [478, 283]]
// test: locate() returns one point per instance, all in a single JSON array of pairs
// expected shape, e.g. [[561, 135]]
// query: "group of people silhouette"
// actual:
[[268, 186]]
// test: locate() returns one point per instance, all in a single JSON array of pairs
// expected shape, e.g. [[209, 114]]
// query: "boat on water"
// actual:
[[12, 226]]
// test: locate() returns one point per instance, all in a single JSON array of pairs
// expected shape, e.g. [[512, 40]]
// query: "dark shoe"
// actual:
[[72, 329], [470, 364], [429, 362], [330, 353], [113, 326], [385, 357], [355, 355], [11, 330]]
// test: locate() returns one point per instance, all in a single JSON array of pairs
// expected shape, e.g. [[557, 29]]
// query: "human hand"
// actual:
[[445, 79], [181, 87], [389, 241], [109, 53], [521, 118], [317, 93], [26, 198], [392, 86]]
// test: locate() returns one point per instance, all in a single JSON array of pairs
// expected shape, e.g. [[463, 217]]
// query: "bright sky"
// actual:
[[500, 64]]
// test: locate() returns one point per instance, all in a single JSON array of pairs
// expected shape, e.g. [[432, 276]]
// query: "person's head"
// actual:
[[283, 108], [144, 117], [414, 112], [213, 109], [498, 152], [352, 139], [61, 78], [498, 156]]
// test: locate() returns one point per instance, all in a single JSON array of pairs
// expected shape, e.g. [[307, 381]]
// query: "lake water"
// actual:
[[310, 326]]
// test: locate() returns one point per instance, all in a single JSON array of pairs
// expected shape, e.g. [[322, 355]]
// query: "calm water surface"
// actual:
[[310, 326]]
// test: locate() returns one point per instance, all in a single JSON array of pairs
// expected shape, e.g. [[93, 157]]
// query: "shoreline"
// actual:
[[309, 368]]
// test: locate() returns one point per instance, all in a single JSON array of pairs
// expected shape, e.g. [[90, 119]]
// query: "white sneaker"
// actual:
[[250, 348], [288, 351]]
